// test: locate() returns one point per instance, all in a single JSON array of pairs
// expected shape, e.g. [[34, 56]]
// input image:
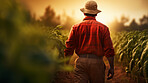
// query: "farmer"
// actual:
[[91, 41]]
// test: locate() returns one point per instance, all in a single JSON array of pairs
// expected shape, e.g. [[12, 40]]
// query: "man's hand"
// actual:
[[111, 70], [110, 73]]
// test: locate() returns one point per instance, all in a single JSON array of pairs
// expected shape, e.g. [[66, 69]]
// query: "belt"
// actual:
[[90, 56]]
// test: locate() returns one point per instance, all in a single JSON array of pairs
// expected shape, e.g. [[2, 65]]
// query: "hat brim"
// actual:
[[90, 11]]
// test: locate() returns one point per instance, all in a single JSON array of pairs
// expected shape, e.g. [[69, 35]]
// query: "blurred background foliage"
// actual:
[[124, 25], [31, 51]]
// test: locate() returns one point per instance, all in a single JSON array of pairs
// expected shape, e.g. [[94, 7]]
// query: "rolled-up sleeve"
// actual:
[[107, 44], [70, 43]]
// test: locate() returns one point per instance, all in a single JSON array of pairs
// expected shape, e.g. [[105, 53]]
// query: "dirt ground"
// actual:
[[120, 76]]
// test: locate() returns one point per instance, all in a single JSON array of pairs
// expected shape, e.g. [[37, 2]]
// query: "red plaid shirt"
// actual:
[[89, 37]]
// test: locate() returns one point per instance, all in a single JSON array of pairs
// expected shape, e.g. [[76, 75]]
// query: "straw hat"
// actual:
[[90, 7]]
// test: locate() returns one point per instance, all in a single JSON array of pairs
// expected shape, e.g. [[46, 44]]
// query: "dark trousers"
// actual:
[[89, 70]]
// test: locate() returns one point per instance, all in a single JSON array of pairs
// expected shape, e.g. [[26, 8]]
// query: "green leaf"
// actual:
[[131, 64], [145, 70], [127, 70], [121, 57], [144, 55]]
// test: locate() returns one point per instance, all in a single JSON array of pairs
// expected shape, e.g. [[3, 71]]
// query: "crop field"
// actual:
[[32, 50], [132, 51]]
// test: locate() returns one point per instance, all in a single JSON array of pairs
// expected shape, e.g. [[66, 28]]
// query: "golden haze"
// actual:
[[111, 9]]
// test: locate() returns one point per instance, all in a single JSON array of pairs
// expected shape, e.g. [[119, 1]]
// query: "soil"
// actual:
[[120, 76]]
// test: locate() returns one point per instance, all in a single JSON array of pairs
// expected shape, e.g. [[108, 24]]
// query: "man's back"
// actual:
[[91, 37]]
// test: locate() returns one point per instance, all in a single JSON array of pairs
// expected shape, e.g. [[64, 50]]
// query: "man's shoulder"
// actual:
[[78, 24], [97, 23]]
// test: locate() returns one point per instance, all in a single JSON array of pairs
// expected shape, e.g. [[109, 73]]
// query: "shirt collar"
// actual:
[[89, 18]]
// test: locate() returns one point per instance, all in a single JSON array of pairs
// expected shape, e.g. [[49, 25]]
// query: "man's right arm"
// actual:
[[111, 70], [111, 62], [109, 52]]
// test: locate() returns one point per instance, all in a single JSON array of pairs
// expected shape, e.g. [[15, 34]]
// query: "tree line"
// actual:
[[132, 26]]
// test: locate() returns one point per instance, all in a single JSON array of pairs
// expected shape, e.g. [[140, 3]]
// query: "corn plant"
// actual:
[[132, 50]]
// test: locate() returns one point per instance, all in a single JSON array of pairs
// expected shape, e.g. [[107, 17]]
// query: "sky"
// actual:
[[111, 9]]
